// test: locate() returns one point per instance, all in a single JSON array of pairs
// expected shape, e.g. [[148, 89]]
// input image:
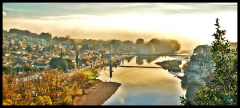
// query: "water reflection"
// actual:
[[146, 86]]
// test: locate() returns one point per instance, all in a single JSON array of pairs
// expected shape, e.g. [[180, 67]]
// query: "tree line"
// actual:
[[48, 89]]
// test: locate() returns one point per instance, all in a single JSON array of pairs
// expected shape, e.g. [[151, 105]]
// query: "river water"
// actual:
[[144, 86]]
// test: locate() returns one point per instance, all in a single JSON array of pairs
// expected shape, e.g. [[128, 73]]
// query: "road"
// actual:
[[72, 71]]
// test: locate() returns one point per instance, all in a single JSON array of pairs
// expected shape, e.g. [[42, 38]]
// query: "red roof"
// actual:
[[39, 54]]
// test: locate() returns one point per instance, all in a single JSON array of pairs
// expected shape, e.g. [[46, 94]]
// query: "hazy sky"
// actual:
[[190, 23]]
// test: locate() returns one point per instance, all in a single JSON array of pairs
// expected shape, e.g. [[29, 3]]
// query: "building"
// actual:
[[40, 66]]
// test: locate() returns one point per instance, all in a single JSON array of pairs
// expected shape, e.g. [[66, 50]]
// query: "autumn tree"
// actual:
[[27, 67], [82, 81], [20, 44], [79, 47], [224, 84], [63, 50], [96, 72], [66, 96], [85, 59]]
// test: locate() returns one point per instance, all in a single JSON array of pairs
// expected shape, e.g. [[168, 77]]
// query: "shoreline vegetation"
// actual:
[[171, 65]]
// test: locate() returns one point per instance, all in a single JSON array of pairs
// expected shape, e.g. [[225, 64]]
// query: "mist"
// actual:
[[87, 28]]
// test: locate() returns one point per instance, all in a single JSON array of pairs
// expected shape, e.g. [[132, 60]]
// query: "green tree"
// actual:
[[6, 69], [49, 48], [70, 63], [37, 48], [76, 58], [10, 44], [224, 83], [59, 67], [54, 62], [46, 36], [139, 45], [29, 48]]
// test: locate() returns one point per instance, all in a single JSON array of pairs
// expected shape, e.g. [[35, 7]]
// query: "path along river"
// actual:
[[144, 86]]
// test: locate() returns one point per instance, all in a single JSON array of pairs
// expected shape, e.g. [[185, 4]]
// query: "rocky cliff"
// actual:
[[201, 65]]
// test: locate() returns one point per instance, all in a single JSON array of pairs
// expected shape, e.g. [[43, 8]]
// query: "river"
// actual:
[[145, 86]]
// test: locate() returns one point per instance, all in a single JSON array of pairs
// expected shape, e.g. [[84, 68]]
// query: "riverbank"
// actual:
[[97, 94]]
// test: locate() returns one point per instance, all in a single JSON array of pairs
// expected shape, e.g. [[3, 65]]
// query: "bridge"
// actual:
[[110, 56]]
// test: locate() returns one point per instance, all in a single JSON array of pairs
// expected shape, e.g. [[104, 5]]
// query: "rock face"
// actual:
[[201, 65]]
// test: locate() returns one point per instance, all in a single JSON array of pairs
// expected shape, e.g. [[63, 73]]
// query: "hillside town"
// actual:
[[16, 55]]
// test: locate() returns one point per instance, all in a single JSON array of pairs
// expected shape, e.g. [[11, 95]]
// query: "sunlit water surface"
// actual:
[[144, 86]]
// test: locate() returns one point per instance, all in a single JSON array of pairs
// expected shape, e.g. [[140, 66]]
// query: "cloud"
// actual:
[[12, 9], [4, 14], [176, 6]]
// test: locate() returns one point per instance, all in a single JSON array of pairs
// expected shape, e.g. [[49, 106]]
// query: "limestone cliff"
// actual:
[[201, 65]]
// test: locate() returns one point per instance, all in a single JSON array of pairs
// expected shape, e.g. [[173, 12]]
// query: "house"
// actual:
[[22, 47], [5, 45], [47, 61], [33, 46], [15, 65], [17, 52], [40, 66], [7, 54]]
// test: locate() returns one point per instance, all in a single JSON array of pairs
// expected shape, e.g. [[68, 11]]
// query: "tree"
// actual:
[[10, 44], [40, 101], [20, 44], [59, 67], [175, 45], [82, 81], [63, 50], [49, 48], [66, 96], [37, 48], [150, 48], [27, 67], [79, 47], [62, 62], [85, 59], [6, 69], [139, 45], [96, 72], [46, 36], [29, 48], [70, 63], [47, 100], [76, 58], [224, 83]]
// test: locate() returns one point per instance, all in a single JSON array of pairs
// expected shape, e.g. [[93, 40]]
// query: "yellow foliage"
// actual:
[[7, 102], [39, 101], [47, 100], [79, 47], [68, 100]]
